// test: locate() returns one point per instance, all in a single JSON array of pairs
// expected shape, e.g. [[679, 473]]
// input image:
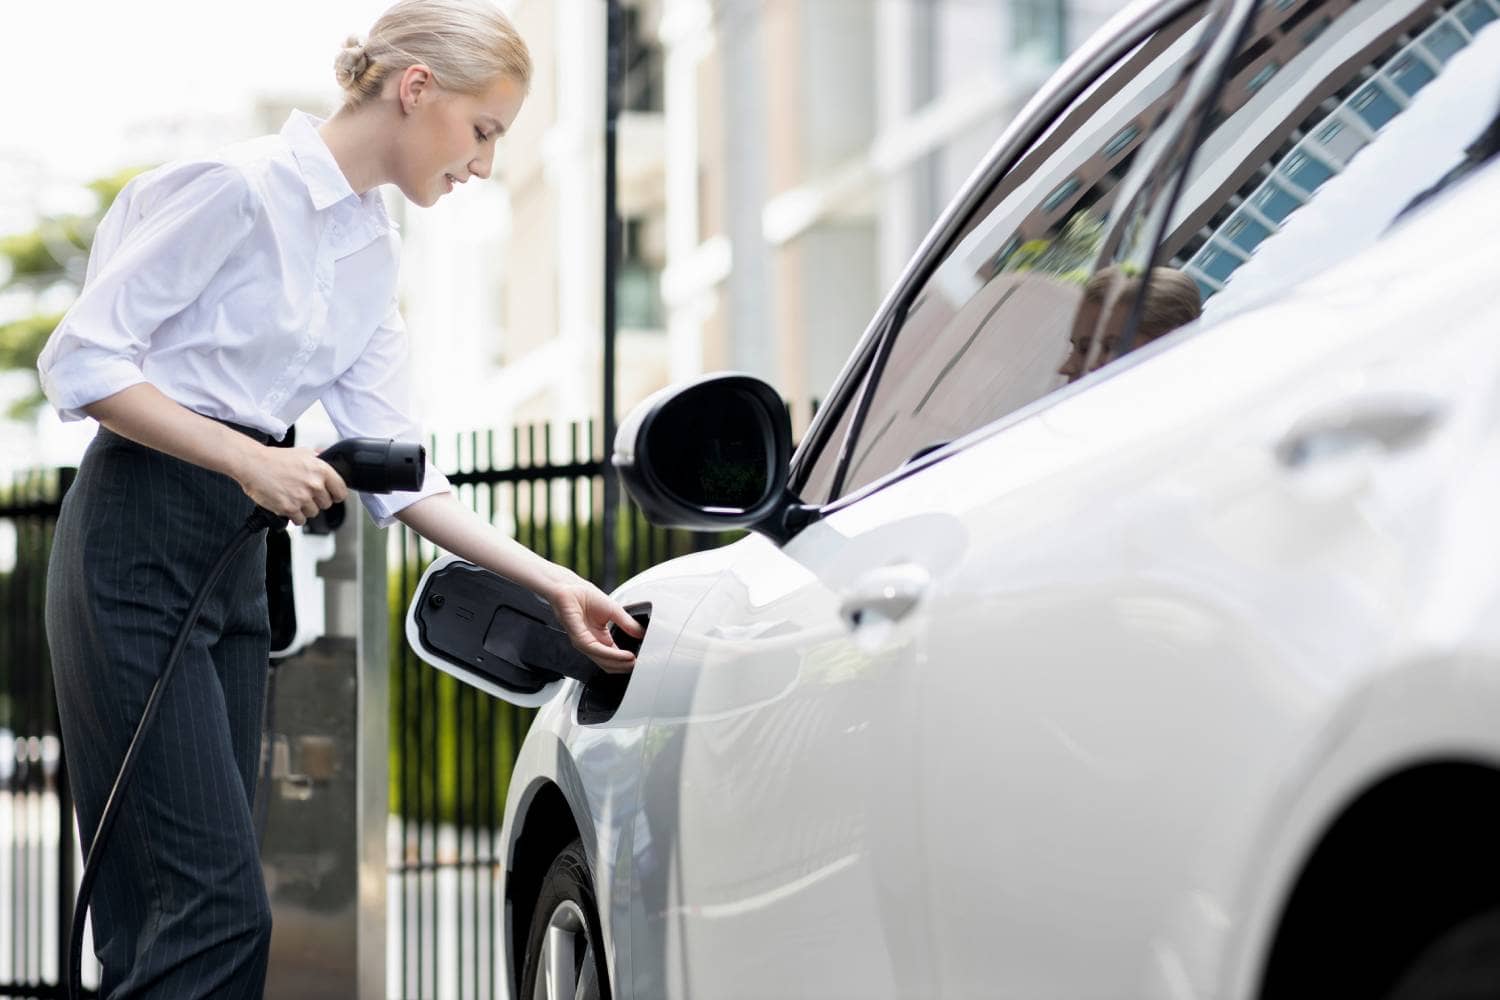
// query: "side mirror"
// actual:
[[712, 455]]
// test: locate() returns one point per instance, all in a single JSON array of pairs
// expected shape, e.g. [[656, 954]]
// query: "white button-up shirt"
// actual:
[[246, 286]]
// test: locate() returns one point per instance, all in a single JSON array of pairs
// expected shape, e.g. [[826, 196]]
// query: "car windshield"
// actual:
[[989, 331], [1372, 107]]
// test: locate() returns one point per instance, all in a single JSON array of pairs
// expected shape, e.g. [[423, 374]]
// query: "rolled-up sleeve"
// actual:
[[373, 399], [141, 272]]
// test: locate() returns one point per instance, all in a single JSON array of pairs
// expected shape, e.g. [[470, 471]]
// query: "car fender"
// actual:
[[1422, 712], [596, 768]]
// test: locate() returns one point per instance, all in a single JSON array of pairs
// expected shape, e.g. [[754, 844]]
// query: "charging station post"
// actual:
[[326, 794]]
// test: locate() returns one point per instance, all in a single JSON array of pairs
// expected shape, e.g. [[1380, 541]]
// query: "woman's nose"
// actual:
[[481, 164]]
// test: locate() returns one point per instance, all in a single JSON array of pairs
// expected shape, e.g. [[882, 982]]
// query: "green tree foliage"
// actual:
[[21, 341], [1069, 254], [56, 250]]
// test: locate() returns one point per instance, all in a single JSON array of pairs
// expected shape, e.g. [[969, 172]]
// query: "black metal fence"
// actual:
[[452, 747], [37, 841]]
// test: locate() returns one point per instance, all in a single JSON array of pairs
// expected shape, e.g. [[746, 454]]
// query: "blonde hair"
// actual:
[[466, 43], [1172, 299]]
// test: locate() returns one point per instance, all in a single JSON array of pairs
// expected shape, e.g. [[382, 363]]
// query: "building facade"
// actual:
[[779, 161]]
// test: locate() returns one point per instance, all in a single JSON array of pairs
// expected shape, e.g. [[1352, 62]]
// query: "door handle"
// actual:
[[890, 592], [1390, 425]]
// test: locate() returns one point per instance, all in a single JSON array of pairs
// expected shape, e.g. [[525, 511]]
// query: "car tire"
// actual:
[[1463, 963], [564, 947]]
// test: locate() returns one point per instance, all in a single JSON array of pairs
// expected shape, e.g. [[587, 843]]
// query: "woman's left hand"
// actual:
[[586, 612]]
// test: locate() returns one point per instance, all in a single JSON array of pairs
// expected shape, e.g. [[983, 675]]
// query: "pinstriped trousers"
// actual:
[[180, 908]]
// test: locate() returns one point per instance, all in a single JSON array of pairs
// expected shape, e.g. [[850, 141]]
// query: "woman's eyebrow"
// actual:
[[495, 123]]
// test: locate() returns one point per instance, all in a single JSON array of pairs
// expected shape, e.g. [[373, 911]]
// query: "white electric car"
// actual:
[[1085, 648]]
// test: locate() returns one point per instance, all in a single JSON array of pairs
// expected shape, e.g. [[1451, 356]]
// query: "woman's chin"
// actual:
[[423, 198]]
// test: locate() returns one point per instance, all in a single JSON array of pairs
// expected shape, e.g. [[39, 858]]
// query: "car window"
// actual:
[[1335, 120], [988, 332]]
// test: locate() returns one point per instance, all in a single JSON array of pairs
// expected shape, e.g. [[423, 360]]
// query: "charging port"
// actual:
[[603, 692]]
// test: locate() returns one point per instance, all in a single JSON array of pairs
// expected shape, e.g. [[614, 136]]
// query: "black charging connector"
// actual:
[[496, 628]]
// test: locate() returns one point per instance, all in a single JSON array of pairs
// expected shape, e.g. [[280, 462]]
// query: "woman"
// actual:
[[224, 296]]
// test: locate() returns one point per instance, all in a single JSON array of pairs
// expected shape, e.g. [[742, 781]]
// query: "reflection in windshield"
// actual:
[[1171, 300], [989, 331], [1331, 117], [1369, 104]]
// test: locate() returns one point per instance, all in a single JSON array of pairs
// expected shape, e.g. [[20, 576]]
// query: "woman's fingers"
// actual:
[[626, 621], [598, 646], [611, 659], [332, 481], [295, 483]]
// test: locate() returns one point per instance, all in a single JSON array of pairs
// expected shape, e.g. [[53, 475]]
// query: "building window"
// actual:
[[1259, 79], [1305, 172], [638, 280], [1216, 263], [1475, 14], [1117, 145], [1057, 197], [1410, 74], [1315, 31], [1374, 105], [1245, 233], [642, 86], [1274, 202], [1443, 40], [1039, 29]]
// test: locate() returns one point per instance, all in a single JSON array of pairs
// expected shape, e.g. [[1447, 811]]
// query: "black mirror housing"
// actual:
[[711, 455]]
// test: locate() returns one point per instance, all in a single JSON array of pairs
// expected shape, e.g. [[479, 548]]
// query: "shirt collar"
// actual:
[[326, 183]]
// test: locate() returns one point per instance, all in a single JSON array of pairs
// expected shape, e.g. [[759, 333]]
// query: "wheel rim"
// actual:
[[566, 969]]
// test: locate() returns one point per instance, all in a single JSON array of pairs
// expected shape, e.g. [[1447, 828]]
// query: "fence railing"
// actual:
[[37, 836]]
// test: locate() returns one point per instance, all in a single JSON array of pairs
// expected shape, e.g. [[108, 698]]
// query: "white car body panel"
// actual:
[[1152, 664]]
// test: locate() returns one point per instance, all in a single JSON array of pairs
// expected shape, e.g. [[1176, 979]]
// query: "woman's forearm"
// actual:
[[145, 415], [448, 524]]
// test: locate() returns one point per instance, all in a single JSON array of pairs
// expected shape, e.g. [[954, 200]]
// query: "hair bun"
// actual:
[[351, 63]]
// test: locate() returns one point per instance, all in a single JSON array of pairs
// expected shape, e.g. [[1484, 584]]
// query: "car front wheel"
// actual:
[[564, 949]]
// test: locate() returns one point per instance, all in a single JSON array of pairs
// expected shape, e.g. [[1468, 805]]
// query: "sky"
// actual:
[[81, 73]]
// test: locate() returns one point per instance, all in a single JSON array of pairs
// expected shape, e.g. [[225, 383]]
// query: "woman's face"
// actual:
[[447, 137]]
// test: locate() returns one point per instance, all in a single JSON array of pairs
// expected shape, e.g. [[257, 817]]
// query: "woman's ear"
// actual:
[[416, 80]]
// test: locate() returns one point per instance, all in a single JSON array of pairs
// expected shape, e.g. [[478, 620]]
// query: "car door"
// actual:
[[773, 847], [779, 843]]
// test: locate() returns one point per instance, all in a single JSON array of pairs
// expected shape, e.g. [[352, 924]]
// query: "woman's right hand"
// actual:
[[292, 482]]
